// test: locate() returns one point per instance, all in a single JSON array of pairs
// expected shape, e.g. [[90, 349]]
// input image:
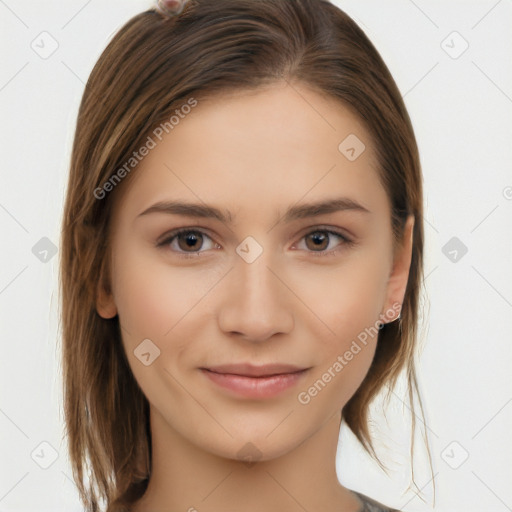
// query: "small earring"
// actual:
[[399, 318]]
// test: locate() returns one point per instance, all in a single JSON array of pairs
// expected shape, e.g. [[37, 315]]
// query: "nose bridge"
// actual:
[[258, 286], [255, 305]]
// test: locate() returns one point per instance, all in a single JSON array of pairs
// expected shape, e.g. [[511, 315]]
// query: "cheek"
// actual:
[[143, 300], [156, 301], [152, 297], [346, 302], [342, 359], [346, 298]]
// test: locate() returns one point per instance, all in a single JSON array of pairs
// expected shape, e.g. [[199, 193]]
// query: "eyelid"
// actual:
[[328, 229], [169, 236], [347, 241]]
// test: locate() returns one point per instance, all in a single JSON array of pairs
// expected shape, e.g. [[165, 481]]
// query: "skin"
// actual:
[[253, 154]]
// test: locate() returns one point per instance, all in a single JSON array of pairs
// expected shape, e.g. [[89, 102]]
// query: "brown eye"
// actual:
[[317, 240], [326, 242], [190, 240]]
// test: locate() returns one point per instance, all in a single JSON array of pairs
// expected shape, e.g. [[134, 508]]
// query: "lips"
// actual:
[[248, 370], [256, 382]]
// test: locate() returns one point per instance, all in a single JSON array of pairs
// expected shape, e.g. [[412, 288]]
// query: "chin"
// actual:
[[251, 447]]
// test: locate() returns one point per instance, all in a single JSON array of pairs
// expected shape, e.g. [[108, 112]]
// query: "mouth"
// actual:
[[245, 380]]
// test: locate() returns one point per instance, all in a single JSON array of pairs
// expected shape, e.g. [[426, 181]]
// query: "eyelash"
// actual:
[[169, 237]]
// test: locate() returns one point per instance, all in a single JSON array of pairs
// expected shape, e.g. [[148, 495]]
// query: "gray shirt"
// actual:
[[370, 505]]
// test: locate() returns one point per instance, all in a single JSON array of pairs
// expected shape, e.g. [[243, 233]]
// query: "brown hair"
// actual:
[[152, 66]]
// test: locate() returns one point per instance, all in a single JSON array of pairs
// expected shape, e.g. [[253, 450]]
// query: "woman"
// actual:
[[241, 258]]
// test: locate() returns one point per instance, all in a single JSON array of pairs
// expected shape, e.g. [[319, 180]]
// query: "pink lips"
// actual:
[[255, 381]]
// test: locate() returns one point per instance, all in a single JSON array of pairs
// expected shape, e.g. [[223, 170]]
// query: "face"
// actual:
[[257, 276]]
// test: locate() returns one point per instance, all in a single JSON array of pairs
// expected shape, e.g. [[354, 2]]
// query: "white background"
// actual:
[[461, 109]]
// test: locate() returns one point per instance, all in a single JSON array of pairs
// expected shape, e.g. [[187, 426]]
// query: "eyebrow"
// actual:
[[293, 213]]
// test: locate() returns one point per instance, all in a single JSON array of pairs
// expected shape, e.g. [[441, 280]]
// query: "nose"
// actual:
[[254, 302]]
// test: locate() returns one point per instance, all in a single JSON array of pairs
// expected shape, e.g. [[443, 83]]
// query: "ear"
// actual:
[[105, 304], [397, 281]]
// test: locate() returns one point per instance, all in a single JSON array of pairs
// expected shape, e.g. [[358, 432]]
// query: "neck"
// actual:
[[185, 477]]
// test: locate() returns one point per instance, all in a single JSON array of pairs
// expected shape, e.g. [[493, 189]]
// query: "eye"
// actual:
[[319, 241], [188, 241]]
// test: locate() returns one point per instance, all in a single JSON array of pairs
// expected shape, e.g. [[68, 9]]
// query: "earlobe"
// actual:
[[397, 282], [105, 303]]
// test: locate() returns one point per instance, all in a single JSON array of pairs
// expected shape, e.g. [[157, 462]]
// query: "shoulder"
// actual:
[[370, 505]]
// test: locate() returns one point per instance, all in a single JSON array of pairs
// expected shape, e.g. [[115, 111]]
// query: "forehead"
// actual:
[[248, 150]]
